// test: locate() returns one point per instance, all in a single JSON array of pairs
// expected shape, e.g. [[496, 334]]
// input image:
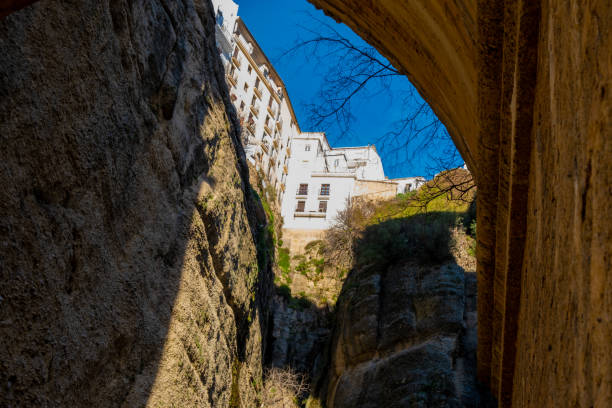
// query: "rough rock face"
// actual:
[[128, 272], [10, 6], [405, 337], [524, 89], [298, 337]]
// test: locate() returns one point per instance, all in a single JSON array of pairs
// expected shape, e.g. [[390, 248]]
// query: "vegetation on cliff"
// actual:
[[426, 228], [418, 225], [405, 321]]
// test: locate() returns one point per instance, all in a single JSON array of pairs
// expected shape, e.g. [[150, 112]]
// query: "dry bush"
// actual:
[[347, 228], [283, 388]]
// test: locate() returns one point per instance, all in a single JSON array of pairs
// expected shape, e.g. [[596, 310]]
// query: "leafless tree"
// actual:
[[358, 69], [283, 388], [347, 227]]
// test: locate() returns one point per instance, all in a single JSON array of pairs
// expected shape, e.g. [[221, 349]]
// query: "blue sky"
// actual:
[[276, 26]]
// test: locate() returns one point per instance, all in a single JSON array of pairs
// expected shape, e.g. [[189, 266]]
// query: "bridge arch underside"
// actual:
[[524, 90]]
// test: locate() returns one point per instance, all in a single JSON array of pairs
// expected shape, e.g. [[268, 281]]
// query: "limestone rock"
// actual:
[[405, 337], [298, 337], [128, 272]]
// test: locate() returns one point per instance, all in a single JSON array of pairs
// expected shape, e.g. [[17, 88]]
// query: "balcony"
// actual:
[[271, 112], [251, 128], [257, 92], [282, 187], [254, 110], [236, 62], [275, 144], [309, 214], [265, 148], [232, 80], [288, 152], [268, 131], [285, 170], [279, 125]]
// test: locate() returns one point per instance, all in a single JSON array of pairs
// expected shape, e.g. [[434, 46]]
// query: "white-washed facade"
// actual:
[[259, 96], [407, 184], [322, 179], [313, 181]]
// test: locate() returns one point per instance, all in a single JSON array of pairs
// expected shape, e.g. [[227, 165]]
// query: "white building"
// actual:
[[259, 96], [407, 184], [321, 179], [313, 181]]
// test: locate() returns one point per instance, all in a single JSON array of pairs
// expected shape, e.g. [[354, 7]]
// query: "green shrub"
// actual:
[[284, 291], [423, 238], [302, 268], [314, 247], [284, 262], [299, 303]]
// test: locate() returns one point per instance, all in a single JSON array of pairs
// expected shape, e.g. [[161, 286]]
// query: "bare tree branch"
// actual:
[[358, 70]]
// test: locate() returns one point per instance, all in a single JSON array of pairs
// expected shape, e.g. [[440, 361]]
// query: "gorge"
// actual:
[[131, 259]]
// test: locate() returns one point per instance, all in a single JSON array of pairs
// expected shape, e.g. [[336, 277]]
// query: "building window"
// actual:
[[336, 163], [324, 189], [219, 17], [246, 87], [267, 120], [301, 206], [242, 105], [257, 83], [253, 100], [303, 190], [307, 148], [249, 69], [322, 206], [236, 52]]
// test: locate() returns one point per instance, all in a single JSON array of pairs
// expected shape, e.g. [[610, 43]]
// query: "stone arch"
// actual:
[[523, 88]]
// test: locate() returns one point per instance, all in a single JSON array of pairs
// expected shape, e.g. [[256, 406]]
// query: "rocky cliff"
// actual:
[[128, 270], [405, 333]]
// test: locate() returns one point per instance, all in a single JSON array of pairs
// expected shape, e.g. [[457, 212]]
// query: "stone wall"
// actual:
[[296, 239], [375, 190], [128, 271], [524, 90]]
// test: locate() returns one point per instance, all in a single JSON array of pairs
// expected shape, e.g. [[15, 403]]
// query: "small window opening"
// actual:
[[324, 189], [322, 206]]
